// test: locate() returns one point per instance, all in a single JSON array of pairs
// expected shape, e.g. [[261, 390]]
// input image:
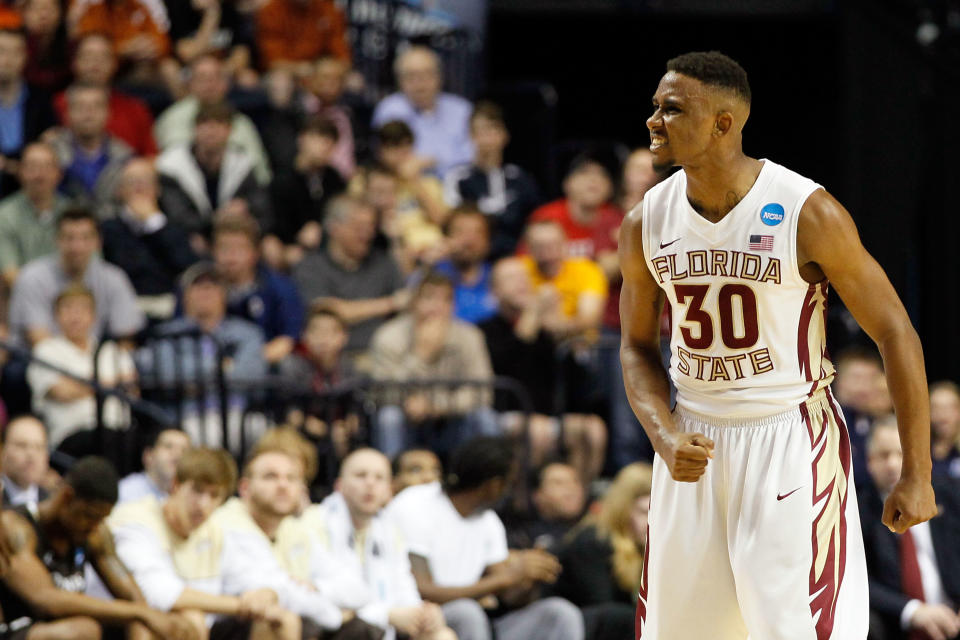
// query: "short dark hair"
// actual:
[[859, 353], [434, 278], [18, 418], [466, 210], [153, 436], [488, 110], [321, 126], [477, 461], [396, 464], [218, 111], [93, 479], [714, 69], [394, 134], [322, 309], [76, 214]]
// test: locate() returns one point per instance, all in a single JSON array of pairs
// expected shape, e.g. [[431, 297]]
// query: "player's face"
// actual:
[[365, 482], [80, 518], [193, 503], [275, 484], [682, 122]]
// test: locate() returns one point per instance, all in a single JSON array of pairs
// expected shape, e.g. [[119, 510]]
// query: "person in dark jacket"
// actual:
[[905, 601], [602, 558], [140, 239]]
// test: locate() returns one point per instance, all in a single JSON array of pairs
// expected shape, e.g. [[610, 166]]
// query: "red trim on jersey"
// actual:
[[827, 588], [642, 599], [803, 333]]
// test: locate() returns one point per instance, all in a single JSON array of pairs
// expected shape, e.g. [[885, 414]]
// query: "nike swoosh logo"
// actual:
[[664, 246], [782, 496]]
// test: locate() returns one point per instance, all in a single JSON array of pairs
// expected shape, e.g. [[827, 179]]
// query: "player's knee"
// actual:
[[80, 628]]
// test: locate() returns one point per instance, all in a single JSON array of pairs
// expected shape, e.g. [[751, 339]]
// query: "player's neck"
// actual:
[[714, 188]]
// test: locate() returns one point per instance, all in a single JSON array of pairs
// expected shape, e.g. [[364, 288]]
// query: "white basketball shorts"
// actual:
[[766, 545]]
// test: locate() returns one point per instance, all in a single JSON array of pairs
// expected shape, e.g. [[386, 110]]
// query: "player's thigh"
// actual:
[[795, 544], [76, 628], [687, 587]]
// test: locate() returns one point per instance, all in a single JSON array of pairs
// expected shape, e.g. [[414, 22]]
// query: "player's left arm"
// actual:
[[103, 557], [827, 238]]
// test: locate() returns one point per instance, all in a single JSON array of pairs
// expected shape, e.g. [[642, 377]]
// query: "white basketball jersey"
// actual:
[[748, 333]]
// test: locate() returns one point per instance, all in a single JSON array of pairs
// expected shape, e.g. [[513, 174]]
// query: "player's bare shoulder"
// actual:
[[825, 231], [631, 234], [18, 532]]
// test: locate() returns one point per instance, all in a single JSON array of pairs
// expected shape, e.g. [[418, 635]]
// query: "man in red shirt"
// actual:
[[130, 120]]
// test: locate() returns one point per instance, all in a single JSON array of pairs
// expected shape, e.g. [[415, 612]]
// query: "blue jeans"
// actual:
[[392, 433]]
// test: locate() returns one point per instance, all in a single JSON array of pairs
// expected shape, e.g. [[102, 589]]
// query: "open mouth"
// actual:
[[657, 141]]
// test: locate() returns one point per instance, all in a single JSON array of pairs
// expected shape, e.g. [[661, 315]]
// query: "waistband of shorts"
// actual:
[[820, 399]]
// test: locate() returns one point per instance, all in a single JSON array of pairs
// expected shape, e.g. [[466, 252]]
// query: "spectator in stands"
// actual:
[[574, 289], [603, 558], [181, 356], [317, 367], [138, 31], [42, 280], [28, 217], [178, 562], [372, 548], [638, 177], [381, 192], [419, 213], [160, 458], [129, 118], [945, 427], [214, 27], [152, 250], [301, 193], [428, 342], [42, 590], [522, 347], [208, 85], [859, 379], [415, 466], [26, 110], [265, 549], [25, 462], [588, 219], [67, 405], [440, 121], [91, 158], [291, 34], [199, 179], [48, 64], [360, 283], [255, 292], [558, 498], [914, 577], [504, 192], [458, 551], [205, 308], [325, 100], [468, 250]]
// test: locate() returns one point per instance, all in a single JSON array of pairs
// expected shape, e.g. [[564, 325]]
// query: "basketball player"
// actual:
[[753, 526]]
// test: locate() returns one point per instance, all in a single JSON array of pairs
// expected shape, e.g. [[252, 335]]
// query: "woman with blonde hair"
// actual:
[[603, 556]]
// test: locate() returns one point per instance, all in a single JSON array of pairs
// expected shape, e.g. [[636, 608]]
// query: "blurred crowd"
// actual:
[[200, 196]]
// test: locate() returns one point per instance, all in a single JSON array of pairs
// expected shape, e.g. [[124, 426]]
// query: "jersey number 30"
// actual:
[[749, 331]]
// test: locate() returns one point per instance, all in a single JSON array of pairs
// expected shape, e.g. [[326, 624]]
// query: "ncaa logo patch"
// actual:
[[772, 214]]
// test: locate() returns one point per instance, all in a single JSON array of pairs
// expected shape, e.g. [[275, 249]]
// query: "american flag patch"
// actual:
[[761, 243]]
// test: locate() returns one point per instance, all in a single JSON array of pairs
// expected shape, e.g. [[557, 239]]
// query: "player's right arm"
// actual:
[[29, 579], [648, 390]]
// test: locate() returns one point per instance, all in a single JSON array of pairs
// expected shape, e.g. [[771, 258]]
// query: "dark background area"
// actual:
[[844, 94]]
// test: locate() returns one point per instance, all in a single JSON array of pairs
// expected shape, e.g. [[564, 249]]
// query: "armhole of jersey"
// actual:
[[645, 233], [794, 259]]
